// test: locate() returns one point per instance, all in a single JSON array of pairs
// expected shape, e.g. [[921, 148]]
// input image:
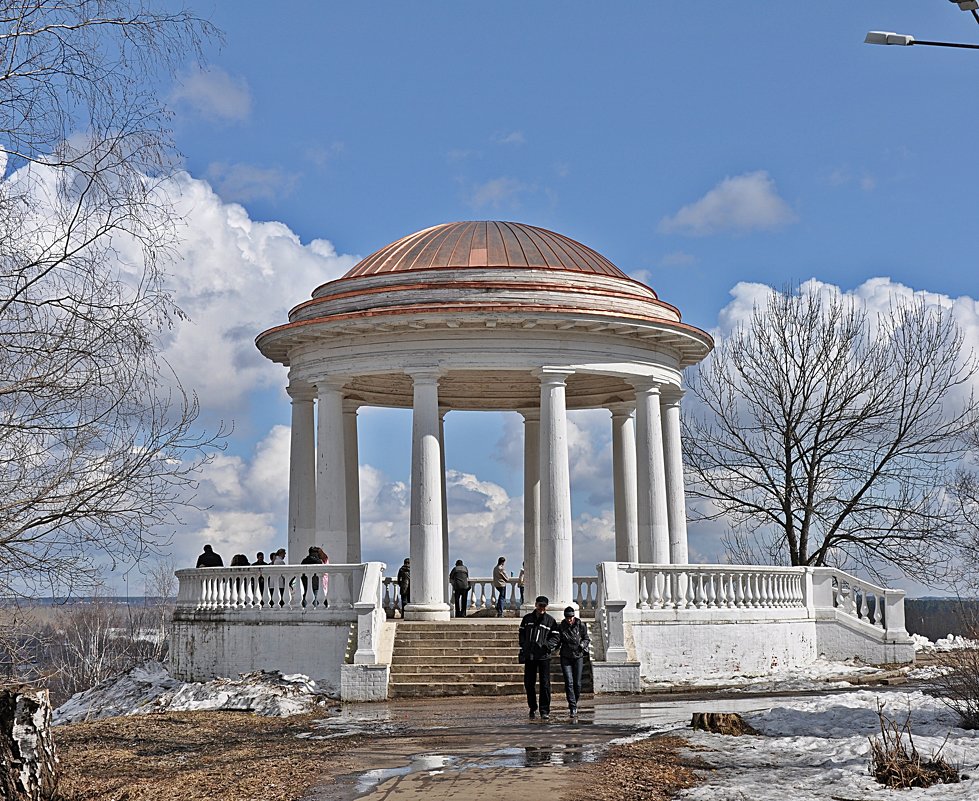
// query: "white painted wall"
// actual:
[[669, 651]]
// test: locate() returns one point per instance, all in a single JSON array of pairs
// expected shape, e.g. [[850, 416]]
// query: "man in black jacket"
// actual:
[[209, 558], [459, 579], [538, 638]]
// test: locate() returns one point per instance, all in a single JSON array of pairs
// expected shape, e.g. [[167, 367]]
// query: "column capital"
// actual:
[[530, 415], [350, 406], [553, 376], [443, 411], [331, 382], [646, 385], [622, 409], [301, 391], [670, 395], [427, 374]]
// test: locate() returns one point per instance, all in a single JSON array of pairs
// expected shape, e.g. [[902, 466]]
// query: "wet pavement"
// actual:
[[482, 748]]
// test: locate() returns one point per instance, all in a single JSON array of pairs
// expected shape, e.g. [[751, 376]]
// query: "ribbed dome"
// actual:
[[485, 244]]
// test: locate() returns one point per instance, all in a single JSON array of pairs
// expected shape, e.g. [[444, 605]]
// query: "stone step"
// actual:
[[514, 670], [458, 659], [435, 650], [464, 635], [438, 689]]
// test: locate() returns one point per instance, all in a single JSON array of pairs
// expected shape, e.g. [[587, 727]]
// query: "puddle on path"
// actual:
[[531, 756]]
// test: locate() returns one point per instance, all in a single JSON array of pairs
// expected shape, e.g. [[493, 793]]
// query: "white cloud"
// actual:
[[235, 277], [511, 138], [246, 182], [497, 193], [678, 258], [743, 203], [214, 95]]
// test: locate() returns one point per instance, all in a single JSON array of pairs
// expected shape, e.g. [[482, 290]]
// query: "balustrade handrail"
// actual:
[[849, 578]]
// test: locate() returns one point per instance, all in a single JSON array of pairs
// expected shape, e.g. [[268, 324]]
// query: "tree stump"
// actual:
[[27, 758], [721, 723]]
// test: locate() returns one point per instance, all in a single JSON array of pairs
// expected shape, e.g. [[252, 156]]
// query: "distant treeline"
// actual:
[[935, 618]]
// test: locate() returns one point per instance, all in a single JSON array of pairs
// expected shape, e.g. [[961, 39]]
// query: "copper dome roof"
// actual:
[[485, 244]]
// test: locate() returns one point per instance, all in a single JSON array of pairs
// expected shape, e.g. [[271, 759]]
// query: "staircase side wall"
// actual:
[[840, 637], [203, 646]]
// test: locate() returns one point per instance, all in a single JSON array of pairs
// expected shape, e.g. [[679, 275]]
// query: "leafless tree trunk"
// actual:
[[827, 436], [28, 766], [98, 446]]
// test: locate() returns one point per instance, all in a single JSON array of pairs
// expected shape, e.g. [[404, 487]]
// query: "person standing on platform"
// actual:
[[209, 558], [404, 584], [459, 579], [500, 581], [522, 580], [574, 646], [539, 636]]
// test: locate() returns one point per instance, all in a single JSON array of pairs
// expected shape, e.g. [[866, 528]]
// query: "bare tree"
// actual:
[[98, 445], [829, 436]]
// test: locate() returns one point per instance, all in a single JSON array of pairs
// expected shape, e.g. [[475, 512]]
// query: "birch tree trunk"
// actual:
[[27, 759]]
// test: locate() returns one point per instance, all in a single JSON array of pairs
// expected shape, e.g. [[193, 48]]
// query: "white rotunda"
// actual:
[[504, 316], [488, 316]]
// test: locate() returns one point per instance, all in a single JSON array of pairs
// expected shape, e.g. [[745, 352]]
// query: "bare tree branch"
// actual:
[[831, 437]]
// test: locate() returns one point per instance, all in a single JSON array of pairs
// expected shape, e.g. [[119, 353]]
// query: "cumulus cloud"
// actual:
[[214, 95], [241, 503], [743, 203], [235, 277]]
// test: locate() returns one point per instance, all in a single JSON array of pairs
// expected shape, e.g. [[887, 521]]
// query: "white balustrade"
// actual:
[[273, 589], [706, 587]]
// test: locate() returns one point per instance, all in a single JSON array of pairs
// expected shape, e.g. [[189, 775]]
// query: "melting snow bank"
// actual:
[[953, 642], [148, 688], [819, 748], [821, 675]]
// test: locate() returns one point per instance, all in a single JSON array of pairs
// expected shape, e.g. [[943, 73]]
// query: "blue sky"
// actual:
[[703, 148]]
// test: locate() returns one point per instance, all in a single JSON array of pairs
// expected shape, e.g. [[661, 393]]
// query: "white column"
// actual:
[[673, 456], [654, 532], [331, 473], [445, 510], [302, 470], [531, 505], [625, 482], [352, 463], [555, 579], [427, 569]]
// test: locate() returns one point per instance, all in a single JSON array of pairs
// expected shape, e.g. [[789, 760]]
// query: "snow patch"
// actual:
[[149, 688]]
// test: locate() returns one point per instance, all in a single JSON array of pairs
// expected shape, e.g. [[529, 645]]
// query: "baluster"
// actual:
[[764, 591], [713, 590], [727, 591], [751, 590], [658, 588], [664, 585], [644, 589]]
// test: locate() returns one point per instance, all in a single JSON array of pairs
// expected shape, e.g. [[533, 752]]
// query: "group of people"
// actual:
[[459, 581], [210, 558], [316, 556]]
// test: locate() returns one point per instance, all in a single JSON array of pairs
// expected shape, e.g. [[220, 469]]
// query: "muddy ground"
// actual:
[[466, 748]]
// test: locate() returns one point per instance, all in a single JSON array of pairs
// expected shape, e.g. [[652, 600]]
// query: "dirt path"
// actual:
[[462, 747]]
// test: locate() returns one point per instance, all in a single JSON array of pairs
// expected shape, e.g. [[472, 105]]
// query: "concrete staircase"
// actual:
[[463, 657]]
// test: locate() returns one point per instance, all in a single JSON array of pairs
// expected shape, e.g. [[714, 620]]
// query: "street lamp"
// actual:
[[891, 38]]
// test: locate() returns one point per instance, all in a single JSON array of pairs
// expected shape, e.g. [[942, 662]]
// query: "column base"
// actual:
[[427, 612]]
